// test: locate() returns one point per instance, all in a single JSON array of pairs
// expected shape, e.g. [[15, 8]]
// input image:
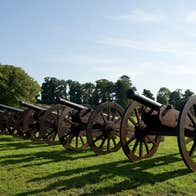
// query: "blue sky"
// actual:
[[153, 42]]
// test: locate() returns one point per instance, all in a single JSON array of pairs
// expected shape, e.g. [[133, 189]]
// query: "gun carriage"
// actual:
[[11, 120], [145, 121], [79, 126], [32, 121]]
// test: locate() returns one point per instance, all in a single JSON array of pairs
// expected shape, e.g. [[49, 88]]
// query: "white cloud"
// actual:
[[177, 48], [140, 16]]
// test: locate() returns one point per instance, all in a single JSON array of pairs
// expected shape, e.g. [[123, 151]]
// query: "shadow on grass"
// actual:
[[135, 174], [23, 158]]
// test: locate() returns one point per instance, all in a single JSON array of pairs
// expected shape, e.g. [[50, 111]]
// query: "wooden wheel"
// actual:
[[103, 129], [136, 145], [31, 125], [187, 133], [72, 135], [14, 129], [4, 123], [49, 123]]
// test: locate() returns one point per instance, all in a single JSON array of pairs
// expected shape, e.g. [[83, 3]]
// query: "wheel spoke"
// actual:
[[103, 117], [82, 140], [76, 141], [192, 118], [188, 127], [187, 141], [151, 140], [135, 145], [146, 146], [108, 112], [113, 116], [108, 145], [130, 140], [102, 143], [67, 134], [192, 149], [114, 142], [99, 137], [133, 121], [141, 149], [137, 115], [48, 133]]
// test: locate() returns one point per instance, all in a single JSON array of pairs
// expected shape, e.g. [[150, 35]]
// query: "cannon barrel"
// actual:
[[9, 108], [131, 94], [31, 106], [71, 104]]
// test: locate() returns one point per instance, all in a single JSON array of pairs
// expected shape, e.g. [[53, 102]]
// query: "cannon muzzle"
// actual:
[[9, 108], [32, 106], [131, 94], [70, 104]]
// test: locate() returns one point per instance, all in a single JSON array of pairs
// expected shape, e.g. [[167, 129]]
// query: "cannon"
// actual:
[[145, 121], [31, 121], [11, 119], [3, 122], [79, 127]]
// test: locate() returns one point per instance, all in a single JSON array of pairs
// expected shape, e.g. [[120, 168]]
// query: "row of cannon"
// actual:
[[74, 125], [139, 128]]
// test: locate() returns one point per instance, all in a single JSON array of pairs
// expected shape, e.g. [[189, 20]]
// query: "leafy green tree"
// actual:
[[148, 94], [51, 88], [187, 94], [175, 99], [15, 85], [75, 91], [121, 87], [103, 91], [87, 93], [163, 95]]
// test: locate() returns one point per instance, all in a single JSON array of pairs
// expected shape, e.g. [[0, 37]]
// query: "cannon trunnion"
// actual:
[[146, 121]]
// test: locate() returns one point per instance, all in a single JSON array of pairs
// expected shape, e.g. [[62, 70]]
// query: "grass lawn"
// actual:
[[27, 168]]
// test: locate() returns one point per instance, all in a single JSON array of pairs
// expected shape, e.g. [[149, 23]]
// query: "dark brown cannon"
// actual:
[[145, 121], [11, 119], [79, 126], [31, 121], [3, 122]]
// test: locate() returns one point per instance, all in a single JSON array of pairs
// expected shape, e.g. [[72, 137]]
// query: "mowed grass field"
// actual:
[[27, 168]]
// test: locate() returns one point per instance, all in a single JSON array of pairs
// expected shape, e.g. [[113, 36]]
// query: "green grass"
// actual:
[[39, 169]]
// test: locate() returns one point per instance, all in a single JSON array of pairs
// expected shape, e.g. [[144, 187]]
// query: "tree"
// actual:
[[87, 93], [188, 93], [51, 88], [175, 99], [163, 95], [75, 91], [103, 91], [148, 94], [121, 87], [16, 85]]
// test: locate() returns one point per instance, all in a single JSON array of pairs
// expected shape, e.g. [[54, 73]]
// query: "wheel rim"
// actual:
[[136, 145], [49, 123], [71, 135], [103, 130], [187, 133]]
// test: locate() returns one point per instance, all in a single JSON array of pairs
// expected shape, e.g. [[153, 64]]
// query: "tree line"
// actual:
[[17, 85]]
